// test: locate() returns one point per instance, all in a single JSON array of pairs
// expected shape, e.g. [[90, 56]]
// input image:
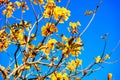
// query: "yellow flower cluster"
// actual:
[[10, 8], [23, 25], [48, 46], [74, 64], [17, 35], [24, 6], [59, 76], [72, 47], [48, 29], [4, 42], [98, 58], [18, 4], [52, 10], [49, 8], [74, 24], [107, 56], [61, 12]]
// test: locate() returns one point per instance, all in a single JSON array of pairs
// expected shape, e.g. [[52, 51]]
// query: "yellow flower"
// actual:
[[18, 4], [53, 77], [52, 41], [32, 35], [98, 59], [78, 23], [72, 47], [48, 29], [48, 46], [49, 8], [17, 35], [50, 1], [44, 31], [25, 24], [61, 12], [9, 10], [65, 77], [110, 76], [27, 66], [78, 62], [75, 51], [31, 46], [74, 24], [24, 6], [59, 76], [52, 10], [78, 40], [107, 56], [74, 64], [64, 38]]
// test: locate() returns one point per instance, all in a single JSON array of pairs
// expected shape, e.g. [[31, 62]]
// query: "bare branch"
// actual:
[[91, 19], [28, 39]]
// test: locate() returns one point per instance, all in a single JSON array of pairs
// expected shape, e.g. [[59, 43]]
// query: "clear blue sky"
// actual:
[[106, 21]]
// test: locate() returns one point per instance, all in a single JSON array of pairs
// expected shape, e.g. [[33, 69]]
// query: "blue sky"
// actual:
[[106, 21]]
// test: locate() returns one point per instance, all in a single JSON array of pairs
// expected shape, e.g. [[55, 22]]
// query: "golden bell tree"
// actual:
[[42, 51]]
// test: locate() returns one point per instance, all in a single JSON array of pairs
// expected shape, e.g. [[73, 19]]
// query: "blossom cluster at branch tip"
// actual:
[[9, 10], [72, 47], [48, 29], [74, 24], [98, 59], [52, 10], [74, 64], [59, 76], [74, 27], [11, 7], [48, 46]]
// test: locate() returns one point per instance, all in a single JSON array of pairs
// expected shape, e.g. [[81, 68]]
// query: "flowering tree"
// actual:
[[41, 52]]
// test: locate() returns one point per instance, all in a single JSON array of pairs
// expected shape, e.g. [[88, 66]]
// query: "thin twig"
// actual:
[[35, 16], [31, 31], [14, 59], [118, 44], [105, 42], [15, 55], [91, 19], [16, 18], [88, 25], [112, 62], [15, 70]]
